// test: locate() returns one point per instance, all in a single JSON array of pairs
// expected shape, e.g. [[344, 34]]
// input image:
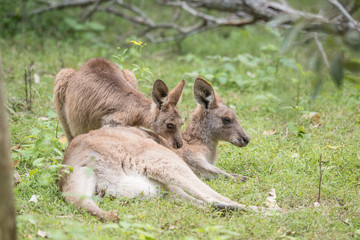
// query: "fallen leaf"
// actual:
[[269, 132], [33, 199], [36, 78], [15, 147], [43, 118], [15, 163], [270, 201], [222, 144], [62, 139], [28, 236], [41, 234], [314, 117], [315, 125], [16, 177]]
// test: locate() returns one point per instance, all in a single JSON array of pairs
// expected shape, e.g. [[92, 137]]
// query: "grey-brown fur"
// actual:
[[206, 128], [99, 94], [106, 158]]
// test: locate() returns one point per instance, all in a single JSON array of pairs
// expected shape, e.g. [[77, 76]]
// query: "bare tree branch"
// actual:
[[61, 5], [321, 49], [136, 10], [345, 13], [190, 10], [92, 10], [235, 13]]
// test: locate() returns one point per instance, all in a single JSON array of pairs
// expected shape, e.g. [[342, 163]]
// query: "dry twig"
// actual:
[[321, 49], [320, 178]]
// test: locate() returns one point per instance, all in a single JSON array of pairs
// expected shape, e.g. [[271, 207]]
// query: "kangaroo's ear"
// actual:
[[204, 93], [175, 94], [160, 93]]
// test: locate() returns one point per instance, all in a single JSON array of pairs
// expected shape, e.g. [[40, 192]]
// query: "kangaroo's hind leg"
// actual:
[[183, 195], [78, 187], [180, 175], [202, 191]]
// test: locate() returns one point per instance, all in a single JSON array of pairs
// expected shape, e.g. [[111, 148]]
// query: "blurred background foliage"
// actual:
[[318, 52]]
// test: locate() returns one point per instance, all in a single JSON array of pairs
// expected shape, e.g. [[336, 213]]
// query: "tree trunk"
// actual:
[[7, 209]]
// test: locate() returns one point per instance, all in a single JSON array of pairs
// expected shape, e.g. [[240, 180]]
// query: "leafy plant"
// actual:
[[131, 58], [327, 54]]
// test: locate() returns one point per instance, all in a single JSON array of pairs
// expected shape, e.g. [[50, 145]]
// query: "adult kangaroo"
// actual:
[[99, 94], [127, 162]]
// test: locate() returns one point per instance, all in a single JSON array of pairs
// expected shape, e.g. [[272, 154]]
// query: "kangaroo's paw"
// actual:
[[108, 217], [229, 207], [238, 178], [101, 193]]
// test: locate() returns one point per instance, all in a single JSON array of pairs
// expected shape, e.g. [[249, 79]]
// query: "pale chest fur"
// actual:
[[203, 153], [128, 185]]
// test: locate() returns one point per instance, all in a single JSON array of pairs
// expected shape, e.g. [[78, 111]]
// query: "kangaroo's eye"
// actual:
[[226, 120], [170, 126]]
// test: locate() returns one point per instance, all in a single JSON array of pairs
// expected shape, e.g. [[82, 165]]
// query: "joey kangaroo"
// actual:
[[211, 121], [127, 162], [99, 94]]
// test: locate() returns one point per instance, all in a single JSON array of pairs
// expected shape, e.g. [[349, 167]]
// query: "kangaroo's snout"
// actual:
[[177, 144], [246, 140], [242, 140]]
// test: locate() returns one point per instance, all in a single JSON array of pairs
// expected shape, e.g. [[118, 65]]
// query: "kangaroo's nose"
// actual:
[[177, 145], [246, 140]]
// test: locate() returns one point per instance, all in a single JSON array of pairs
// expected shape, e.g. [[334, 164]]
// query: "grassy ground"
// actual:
[[268, 91]]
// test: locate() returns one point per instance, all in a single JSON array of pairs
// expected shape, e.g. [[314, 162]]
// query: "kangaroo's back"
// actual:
[[98, 88], [60, 86], [99, 94]]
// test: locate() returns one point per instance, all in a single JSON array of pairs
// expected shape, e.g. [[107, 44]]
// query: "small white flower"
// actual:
[[33, 199]]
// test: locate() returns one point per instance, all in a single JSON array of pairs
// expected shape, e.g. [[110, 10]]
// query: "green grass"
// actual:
[[270, 92]]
